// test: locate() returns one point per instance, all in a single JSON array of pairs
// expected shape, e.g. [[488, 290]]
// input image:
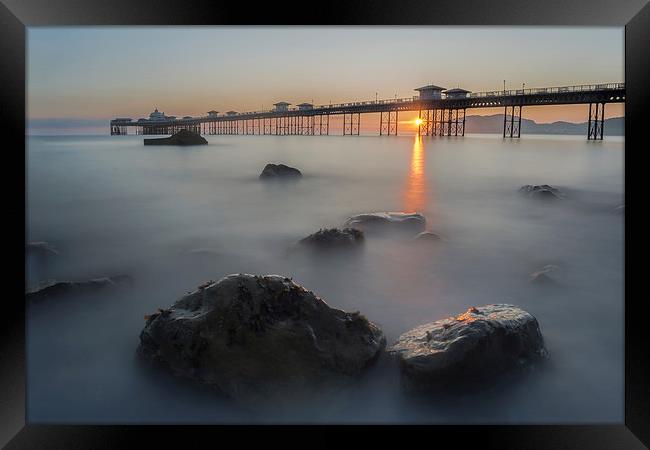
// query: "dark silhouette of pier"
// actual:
[[441, 112]]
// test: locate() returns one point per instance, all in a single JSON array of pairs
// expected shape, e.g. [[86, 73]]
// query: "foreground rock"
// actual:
[[260, 338], [387, 222], [333, 238], [183, 137], [64, 288], [468, 349], [542, 192], [279, 171]]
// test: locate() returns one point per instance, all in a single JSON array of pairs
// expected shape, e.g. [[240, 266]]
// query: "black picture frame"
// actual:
[[15, 15]]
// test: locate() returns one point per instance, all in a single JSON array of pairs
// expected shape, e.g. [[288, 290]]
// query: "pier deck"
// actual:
[[441, 116]]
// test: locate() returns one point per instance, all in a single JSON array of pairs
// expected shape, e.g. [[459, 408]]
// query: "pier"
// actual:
[[441, 112]]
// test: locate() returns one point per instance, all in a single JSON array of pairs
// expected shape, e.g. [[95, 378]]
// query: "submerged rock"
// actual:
[[468, 349], [183, 137], [387, 221], [40, 258], [542, 192], [260, 338], [40, 249], [279, 171], [333, 238], [61, 288], [427, 236], [203, 251], [543, 276]]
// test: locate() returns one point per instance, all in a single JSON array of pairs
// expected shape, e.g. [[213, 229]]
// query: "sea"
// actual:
[[173, 218]]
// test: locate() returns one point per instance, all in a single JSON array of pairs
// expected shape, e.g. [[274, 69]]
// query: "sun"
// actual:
[[418, 121]]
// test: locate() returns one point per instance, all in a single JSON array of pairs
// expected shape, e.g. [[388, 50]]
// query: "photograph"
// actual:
[[231, 225], [243, 225]]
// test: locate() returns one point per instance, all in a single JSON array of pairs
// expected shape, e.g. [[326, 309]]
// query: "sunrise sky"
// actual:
[[90, 74]]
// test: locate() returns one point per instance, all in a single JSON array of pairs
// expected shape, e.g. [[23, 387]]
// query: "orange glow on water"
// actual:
[[415, 198]]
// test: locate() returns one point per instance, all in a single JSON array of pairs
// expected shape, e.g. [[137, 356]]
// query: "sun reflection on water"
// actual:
[[415, 198]]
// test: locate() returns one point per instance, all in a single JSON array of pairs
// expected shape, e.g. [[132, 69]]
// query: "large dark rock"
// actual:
[[541, 192], [260, 338], [183, 137], [67, 288], [279, 171], [387, 221], [469, 349], [333, 238]]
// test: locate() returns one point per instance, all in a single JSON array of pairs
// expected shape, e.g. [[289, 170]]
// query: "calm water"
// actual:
[[175, 217]]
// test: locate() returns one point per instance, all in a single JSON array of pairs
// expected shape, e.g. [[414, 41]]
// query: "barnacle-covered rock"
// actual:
[[542, 192], [260, 338], [333, 238], [387, 221], [469, 348], [279, 171], [77, 288]]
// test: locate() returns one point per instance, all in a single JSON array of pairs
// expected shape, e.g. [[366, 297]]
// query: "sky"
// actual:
[[87, 75]]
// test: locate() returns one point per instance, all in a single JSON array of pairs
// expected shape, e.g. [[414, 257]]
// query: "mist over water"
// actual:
[[174, 218]]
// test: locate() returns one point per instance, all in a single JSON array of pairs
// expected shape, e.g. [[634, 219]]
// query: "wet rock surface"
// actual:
[[471, 349], [333, 238], [387, 222], [279, 171], [183, 137], [542, 192], [258, 338], [65, 288]]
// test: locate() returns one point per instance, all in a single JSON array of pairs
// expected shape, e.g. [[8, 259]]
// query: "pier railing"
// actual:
[[502, 93], [551, 90]]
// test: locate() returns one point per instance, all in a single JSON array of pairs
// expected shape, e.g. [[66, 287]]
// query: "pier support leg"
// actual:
[[351, 124], [323, 124], [463, 134], [596, 124], [512, 122], [425, 128], [388, 123], [434, 122], [441, 122]]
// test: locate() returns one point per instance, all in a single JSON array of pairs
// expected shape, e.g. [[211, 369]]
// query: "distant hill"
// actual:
[[494, 124]]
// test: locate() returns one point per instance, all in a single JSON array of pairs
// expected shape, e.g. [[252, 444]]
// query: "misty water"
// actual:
[[174, 218]]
